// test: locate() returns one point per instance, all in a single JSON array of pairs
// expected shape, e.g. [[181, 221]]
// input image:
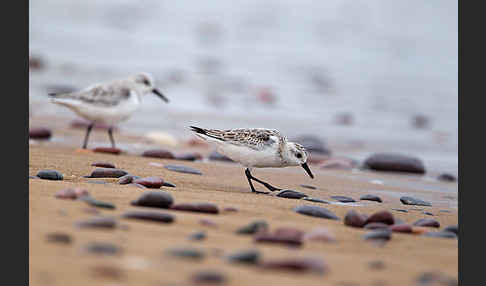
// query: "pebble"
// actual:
[[319, 234], [444, 211], [291, 237], [127, 179], [354, 219], [404, 228], [315, 158], [167, 184], [370, 198], [208, 222], [102, 248], [452, 228], [441, 234], [381, 216], [376, 225], [159, 199], [308, 187], [208, 277], [50, 175], [230, 209], [98, 222], [376, 264], [103, 164], [343, 199], [395, 163], [251, 256], [315, 211], [216, 156], [197, 236], [413, 201], [196, 207], [290, 194], [107, 173], [150, 182], [150, 216], [158, 153], [189, 157], [189, 253], [428, 213], [109, 150], [427, 222], [315, 200], [183, 169], [96, 203], [446, 177], [296, 264], [382, 234], [36, 63], [39, 133], [66, 194], [59, 237], [253, 227], [401, 210], [107, 272]]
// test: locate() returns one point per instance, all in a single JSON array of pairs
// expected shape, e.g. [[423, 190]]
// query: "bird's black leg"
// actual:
[[267, 185], [250, 177], [110, 133], [85, 144]]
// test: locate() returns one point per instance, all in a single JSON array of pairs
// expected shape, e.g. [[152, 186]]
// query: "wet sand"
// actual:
[[143, 260]]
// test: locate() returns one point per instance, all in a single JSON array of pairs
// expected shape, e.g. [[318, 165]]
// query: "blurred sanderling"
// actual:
[[108, 103], [256, 148]]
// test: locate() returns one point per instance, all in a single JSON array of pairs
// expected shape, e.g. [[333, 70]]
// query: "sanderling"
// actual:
[[256, 148], [110, 102]]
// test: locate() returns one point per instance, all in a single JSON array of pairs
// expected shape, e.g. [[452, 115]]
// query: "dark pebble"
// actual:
[[296, 264], [428, 222], [197, 236], [404, 228], [158, 153], [395, 163], [381, 216], [167, 184], [208, 277], [315, 200], [58, 237], [244, 257], [196, 207], [98, 222], [127, 179], [102, 248], [446, 177], [96, 203], [441, 234], [315, 211], [313, 144], [290, 194], [189, 157], [103, 165], [452, 228], [216, 156], [376, 225], [444, 211], [183, 169], [381, 234], [376, 265], [401, 210], [150, 182], [420, 121], [413, 201], [109, 150], [157, 199], [189, 253], [371, 198], [36, 63], [107, 173], [254, 227], [343, 199], [150, 216], [308, 187], [39, 133], [355, 219], [50, 175], [428, 213]]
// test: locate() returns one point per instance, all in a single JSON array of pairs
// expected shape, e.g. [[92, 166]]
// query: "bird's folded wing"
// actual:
[[98, 95], [252, 138]]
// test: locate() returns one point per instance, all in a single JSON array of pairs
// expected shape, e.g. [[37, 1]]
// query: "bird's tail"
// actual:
[[205, 134], [198, 130]]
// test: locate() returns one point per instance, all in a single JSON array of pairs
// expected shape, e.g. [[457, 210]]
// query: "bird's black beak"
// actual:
[[306, 168], [159, 94]]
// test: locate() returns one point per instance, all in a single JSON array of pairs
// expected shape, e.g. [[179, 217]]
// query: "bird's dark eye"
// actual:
[[298, 155], [146, 82]]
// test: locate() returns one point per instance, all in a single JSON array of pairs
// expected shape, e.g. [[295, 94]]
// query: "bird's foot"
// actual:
[[261, 193]]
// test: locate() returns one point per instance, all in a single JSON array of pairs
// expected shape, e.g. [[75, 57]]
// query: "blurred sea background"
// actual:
[[365, 76]]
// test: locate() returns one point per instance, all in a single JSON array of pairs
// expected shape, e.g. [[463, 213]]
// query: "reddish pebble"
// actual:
[[295, 264], [428, 222], [320, 234], [150, 182], [66, 194], [39, 133], [208, 222], [81, 192], [158, 153], [196, 207], [103, 165], [381, 216], [109, 150], [354, 219], [376, 225], [405, 228], [230, 209]]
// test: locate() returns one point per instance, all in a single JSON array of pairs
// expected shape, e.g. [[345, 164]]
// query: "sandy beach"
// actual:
[[143, 259]]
